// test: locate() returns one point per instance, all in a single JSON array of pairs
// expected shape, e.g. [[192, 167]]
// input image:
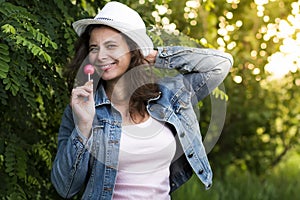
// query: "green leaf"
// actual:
[[14, 89], [47, 57], [6, 80], [7, 28], [3, 74], [39, 36], [4, 67], [4, 47], [7, 87], [217, 93], [4, 57]]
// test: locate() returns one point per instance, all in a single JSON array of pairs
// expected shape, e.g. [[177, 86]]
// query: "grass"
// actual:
[[282, 182]]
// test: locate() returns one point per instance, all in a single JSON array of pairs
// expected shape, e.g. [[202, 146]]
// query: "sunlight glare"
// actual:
[[237, 79], [288, 58]]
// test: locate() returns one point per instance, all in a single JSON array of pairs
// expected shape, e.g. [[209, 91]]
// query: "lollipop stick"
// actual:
[[88, 69]]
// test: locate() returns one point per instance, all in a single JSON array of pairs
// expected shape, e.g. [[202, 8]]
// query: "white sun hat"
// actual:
[[122, 18]]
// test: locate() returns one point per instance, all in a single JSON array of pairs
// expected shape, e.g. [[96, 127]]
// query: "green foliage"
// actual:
[[233, 183], [262, 123], [4, 60], [33, 93], [161, 37]]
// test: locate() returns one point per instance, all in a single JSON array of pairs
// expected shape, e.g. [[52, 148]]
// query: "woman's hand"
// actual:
[[83, 106], [151, 57]]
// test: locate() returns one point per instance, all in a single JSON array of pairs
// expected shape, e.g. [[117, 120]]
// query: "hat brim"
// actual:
[[137, 35]]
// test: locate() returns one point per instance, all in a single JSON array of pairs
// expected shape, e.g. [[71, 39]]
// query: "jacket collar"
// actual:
[[101, 97]]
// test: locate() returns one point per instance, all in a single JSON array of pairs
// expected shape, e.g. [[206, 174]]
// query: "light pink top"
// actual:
[[146, 152]]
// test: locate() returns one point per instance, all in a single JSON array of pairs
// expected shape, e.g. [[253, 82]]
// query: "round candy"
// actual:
[[89, 69]]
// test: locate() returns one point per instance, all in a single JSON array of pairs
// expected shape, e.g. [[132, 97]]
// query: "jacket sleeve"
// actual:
[[203, 69], [70, 166]]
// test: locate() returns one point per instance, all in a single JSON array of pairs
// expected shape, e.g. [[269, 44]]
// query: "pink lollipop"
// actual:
[[89, 69]]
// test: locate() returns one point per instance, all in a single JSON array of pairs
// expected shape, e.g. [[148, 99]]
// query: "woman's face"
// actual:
[[109, 53]]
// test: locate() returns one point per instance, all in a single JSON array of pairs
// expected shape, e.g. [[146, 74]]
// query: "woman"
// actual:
[[133, 135]]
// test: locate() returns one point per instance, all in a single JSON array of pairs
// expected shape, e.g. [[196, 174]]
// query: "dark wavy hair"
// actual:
[[141, 79]]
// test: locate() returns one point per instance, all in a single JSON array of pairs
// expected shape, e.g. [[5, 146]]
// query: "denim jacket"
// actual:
[[90, 165]]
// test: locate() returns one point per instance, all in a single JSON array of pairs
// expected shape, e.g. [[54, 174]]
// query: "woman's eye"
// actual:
[[93, 49], [111, 46]]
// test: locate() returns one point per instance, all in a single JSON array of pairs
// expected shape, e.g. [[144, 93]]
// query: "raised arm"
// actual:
[[204, 69]]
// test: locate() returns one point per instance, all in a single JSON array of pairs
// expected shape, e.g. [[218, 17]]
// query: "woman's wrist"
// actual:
[[85, 129]]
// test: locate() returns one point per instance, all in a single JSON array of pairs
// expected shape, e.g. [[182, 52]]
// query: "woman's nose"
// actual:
[[102, 54]]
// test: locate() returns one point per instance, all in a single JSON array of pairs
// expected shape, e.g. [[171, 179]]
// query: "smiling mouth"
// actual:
[[107, 66]]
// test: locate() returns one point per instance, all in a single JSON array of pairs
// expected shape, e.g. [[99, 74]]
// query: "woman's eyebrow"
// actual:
[[110, 42], [93, 44]]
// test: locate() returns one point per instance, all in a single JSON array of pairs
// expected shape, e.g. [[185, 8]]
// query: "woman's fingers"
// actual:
[[89, 84], [83, 92], [83, 106], [151, 57], [80, 92]]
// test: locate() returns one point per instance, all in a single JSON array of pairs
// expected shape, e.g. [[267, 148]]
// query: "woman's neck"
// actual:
[[116, 91], [119, 96]]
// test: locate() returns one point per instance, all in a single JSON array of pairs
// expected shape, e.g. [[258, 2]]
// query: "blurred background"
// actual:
[[257, 155]]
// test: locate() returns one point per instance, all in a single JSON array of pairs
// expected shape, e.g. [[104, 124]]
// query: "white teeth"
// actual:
[[106, 66]]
